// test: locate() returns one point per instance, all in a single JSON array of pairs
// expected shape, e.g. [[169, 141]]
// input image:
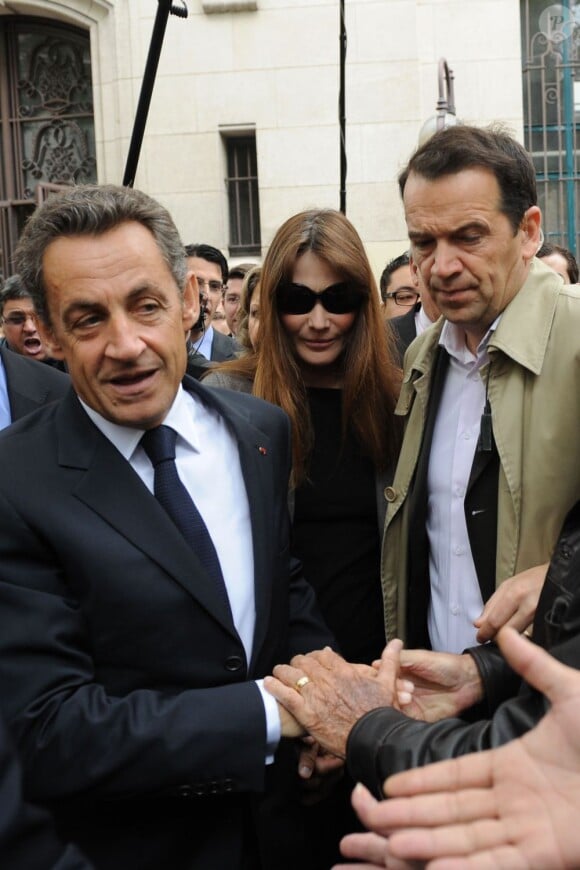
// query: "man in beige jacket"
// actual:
[[491, 396]]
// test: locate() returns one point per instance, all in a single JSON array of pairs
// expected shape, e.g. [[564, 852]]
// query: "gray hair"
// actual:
[[93, 210]]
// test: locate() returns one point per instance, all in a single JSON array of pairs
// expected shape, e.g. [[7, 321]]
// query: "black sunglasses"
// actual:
[[340, 298]]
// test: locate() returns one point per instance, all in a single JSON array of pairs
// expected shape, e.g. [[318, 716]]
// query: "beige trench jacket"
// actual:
[[534, 392]]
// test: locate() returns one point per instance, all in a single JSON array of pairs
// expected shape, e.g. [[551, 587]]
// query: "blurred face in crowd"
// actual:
[[21, 328], [319, 337], [254, 318], [209, 280], [232, 302], [219, 321], [558, 263], [402, 284], [464, 249], [118, 320]]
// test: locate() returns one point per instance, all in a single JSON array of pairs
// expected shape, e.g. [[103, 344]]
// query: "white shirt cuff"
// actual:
[[273, 726]]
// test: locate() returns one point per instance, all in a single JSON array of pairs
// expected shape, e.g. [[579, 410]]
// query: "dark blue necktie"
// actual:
[[159, 445]]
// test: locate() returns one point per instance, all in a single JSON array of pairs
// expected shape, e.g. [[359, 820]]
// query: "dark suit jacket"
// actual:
[[404, 330], [27, 837], [125, 681], [223, 347], [480, 514], [30, 383]]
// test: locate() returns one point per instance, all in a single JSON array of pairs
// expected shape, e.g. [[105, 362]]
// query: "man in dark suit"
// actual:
[[210, 268], [25, 386], [131, 655]]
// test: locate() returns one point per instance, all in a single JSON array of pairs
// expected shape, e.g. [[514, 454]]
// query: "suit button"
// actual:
[[390, 493], [234, 663], [199, 789], [228, 785], [185, 791], [214, 787]]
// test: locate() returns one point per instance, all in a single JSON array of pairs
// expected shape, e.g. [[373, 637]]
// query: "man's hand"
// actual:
[[513, 603], [289, 727], [444, 684], [336, 694], [515, 806]]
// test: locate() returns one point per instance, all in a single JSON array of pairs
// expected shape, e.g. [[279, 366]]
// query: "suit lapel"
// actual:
[[109, 486]]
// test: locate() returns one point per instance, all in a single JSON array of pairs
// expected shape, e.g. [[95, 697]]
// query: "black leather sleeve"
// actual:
[[385, 741]]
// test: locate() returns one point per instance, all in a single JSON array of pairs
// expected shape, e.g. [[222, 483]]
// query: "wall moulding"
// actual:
[[216, 6]]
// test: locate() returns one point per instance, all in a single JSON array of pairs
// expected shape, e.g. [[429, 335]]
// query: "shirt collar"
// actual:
[[182, 416], [452, 338]]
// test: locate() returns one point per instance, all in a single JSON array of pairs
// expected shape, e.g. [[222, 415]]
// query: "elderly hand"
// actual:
[[327, 695]]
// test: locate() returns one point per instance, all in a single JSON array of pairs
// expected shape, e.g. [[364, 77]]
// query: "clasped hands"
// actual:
[[422, 684]]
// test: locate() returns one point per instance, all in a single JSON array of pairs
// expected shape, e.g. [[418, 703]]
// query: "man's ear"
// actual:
[[191, 304], [49, 340], [414, 272], [531, 228]]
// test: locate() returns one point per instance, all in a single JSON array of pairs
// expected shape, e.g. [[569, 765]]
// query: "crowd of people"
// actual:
[[271, 535]]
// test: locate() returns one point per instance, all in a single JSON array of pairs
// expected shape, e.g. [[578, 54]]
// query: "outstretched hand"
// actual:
[[516, 806], [444, 684]]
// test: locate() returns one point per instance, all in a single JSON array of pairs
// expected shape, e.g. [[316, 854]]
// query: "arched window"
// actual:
[[46, 118]]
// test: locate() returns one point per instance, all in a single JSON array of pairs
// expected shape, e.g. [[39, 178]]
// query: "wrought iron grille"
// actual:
[[46, 118], [243, 195], [551, 84]]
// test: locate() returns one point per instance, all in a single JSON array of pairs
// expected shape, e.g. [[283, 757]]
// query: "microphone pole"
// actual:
[[342, 110], [164, 8]]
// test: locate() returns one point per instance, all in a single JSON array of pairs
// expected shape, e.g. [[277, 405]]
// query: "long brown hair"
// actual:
[[371, 378]]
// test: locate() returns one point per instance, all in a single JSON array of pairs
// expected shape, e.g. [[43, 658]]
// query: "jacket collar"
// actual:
[[524, 328]]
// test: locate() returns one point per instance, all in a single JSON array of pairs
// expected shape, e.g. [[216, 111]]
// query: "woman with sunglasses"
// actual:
[[324, 357]]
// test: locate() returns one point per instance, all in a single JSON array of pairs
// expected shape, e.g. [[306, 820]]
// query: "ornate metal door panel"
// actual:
[[46, 118]]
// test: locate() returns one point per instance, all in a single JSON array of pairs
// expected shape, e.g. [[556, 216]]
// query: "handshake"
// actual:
[[323, 696]]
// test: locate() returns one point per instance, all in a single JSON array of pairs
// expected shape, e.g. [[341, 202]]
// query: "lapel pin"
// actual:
[[262, 450]]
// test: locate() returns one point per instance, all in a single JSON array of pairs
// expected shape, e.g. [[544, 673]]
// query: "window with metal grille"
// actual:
[[243, 195], [551, 84], [46, 118]]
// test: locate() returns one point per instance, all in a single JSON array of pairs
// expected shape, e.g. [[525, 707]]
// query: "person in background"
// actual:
[[233, 294], [19, 321], [325, 358], [398, 290], [561, 260], [408, 326], [211, 271], [25, 386]]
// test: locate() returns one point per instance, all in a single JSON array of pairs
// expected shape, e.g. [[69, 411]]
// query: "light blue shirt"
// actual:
[[204, 346], [5, 415], [204, 441]]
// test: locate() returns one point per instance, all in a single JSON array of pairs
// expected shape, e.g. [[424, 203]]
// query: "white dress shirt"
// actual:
[[208, 464], [455, 593], [422, 322]]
